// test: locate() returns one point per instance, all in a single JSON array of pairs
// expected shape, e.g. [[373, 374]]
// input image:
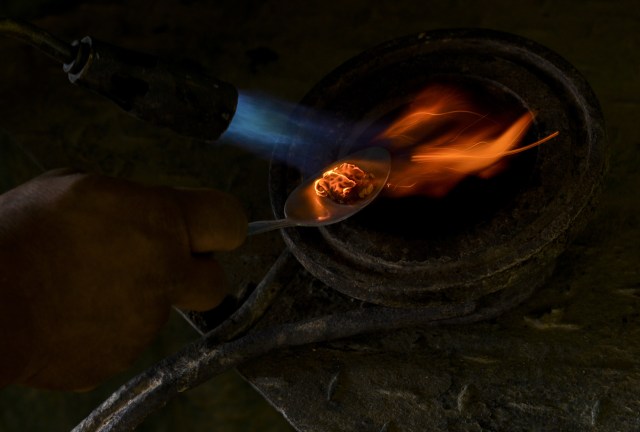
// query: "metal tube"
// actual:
[[45, 42], [200, 361]]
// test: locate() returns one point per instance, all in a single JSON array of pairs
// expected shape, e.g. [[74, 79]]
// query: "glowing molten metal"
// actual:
[[442, 139], [345, 184]]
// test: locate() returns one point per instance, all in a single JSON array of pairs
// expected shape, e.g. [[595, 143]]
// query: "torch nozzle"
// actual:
[[174, 95]]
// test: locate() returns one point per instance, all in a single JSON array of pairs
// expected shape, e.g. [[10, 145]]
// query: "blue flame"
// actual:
[[259, 123], [263, 122]]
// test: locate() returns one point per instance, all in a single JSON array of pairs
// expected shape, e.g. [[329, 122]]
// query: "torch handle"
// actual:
[[179, 96]]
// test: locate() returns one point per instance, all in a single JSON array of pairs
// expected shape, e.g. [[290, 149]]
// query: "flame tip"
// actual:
[[439, 162]]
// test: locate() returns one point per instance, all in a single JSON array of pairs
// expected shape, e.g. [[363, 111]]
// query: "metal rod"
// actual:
[[259, 227], [201, 360]]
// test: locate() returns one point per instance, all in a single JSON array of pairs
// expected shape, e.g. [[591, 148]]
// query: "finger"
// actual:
[[215, 221], [205, 286]]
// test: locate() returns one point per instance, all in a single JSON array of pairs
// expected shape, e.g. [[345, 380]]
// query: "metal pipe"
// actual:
[[44, 41], [125, 409]]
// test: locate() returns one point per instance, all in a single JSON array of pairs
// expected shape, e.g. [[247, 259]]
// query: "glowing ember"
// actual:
[[442, 140], [345, 184]]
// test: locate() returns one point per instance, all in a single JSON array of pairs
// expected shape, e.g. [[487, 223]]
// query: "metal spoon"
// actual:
[[306, 208]]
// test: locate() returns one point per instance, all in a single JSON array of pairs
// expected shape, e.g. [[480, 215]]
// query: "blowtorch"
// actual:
[[178, 96]]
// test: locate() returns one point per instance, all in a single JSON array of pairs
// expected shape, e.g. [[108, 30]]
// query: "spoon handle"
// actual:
[[260, 227]]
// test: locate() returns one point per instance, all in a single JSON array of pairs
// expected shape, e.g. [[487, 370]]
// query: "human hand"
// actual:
[[90, 265]]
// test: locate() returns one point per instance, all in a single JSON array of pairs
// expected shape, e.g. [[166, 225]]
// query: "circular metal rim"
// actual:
[[489, 273]]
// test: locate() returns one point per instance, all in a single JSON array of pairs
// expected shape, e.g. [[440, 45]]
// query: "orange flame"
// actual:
[[442, 140]]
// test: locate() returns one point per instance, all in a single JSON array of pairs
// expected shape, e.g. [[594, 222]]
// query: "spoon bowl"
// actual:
[[304, 207]]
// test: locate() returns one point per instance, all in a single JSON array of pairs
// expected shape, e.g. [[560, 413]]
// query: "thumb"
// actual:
[[215, 220], [204, 288]]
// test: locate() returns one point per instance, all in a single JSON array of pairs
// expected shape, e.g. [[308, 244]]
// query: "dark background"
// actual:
[[282, 47]]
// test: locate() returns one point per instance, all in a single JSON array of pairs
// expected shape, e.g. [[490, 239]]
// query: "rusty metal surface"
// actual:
[[565, 360]]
